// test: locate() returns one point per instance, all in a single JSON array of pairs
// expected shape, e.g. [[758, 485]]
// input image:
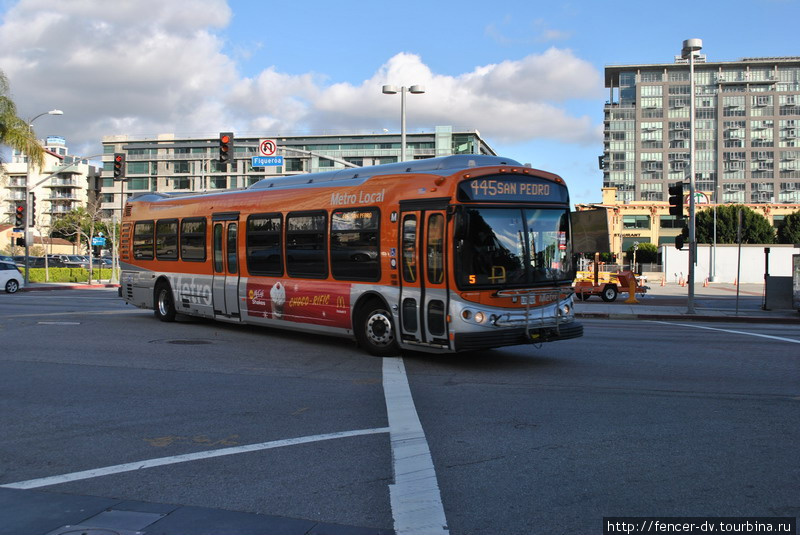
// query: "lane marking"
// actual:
[[415, 497], [175, 459], [782, 339]]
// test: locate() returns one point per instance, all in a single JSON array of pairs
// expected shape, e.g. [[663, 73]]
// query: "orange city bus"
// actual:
[[441, 255]]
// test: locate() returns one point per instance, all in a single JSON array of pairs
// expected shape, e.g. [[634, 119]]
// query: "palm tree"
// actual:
[[14, 131]]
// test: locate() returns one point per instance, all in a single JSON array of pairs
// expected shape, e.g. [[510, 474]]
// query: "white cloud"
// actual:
[[144, 67]]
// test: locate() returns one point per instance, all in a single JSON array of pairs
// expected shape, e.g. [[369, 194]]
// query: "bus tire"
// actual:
[[609, 293], [374, 329], [164, 308]]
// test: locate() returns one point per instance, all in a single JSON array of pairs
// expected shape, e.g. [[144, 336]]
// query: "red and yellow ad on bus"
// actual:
[[304, 301]]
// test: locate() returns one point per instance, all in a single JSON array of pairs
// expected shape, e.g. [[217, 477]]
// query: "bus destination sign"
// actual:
[[511, 188]]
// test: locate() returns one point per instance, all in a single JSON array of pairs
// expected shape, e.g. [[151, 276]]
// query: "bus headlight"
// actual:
[[480, 317], [565, 310]]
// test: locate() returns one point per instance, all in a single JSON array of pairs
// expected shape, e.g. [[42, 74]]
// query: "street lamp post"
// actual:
[[26, 226], [689, 50], [391, 90]]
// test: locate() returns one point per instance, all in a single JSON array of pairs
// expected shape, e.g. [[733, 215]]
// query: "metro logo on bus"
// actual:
[[361, 197]]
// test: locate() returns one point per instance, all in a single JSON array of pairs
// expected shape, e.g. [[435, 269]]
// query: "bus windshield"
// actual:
[[508, 247]]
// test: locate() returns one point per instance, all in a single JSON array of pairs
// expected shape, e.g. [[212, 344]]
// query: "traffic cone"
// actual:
[[705, 283], [663, 283], [735, 283]]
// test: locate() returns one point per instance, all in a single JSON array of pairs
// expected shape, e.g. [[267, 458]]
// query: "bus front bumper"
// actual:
[[473, 341]]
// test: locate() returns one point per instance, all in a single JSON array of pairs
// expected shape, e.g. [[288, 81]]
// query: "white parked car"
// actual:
[[10, 277]]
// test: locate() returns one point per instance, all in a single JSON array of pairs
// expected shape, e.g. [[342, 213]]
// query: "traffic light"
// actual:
[[119, 165], [679, 242], [225, 147], [19, 216], [676, 200]]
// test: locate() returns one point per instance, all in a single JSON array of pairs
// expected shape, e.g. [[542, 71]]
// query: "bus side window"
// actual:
[[193, 240], [435, 249], [143, 240], [306, 249], [264, 246], [167, 239], [233, 264], [410, 248]]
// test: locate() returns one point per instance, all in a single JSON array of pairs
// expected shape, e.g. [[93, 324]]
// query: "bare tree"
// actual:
[[83, 224]]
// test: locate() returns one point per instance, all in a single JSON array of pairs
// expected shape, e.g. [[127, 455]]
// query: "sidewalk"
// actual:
[[716, 302]]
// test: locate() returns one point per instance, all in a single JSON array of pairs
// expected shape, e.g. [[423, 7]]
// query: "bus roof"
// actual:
[[352, 176], [445, 165]]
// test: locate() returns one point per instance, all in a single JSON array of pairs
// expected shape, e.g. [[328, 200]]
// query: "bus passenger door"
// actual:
[[423, 286], [225, 287]]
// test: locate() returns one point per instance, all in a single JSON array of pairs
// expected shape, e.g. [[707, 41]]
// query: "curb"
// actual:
[[68, 287]]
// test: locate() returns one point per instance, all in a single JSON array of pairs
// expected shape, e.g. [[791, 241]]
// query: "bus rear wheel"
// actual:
[[165, 304], [374, 330]]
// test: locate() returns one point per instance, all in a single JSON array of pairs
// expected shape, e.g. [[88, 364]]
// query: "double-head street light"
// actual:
[[690, 50], [391, 90], [28, 214]]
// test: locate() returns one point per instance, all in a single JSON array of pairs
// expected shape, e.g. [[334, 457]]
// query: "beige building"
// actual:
[[650, 222], [63, 184]]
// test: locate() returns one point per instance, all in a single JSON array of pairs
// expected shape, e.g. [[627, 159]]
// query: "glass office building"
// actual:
[[747, 119]]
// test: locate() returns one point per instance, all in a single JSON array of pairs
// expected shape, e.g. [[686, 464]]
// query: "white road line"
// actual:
[[782, 339], [130, 467], [415, 498]]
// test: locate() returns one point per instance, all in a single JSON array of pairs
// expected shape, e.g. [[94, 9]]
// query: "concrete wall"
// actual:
[[676, 263]]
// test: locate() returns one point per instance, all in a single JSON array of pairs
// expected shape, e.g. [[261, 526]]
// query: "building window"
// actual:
[[138, 183], [670, 221], [636, 221], [181, 182], [181, 167], [294, 165]]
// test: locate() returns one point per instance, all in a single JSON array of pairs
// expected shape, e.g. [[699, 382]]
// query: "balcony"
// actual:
[[61, 183]]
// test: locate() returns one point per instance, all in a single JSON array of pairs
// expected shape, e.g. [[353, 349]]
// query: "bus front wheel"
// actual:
[[165, 304], [374, 330]]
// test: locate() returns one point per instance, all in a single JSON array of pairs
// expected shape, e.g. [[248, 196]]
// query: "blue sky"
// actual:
[[527, 75]]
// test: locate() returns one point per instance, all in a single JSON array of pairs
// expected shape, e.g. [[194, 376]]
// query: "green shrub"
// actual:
[[68, 275]]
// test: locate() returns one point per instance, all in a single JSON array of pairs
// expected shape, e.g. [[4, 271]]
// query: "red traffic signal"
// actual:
[[225, 147], [19, 216], [119, 165]]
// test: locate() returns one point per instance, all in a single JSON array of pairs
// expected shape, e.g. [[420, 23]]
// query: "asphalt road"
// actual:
[[633, 419]]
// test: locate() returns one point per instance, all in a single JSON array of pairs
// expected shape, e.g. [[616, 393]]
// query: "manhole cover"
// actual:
[[189, 342]]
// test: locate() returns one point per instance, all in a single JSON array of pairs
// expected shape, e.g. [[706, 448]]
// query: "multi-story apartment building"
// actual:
[[171, 164], [63, 184], [747, 130]]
